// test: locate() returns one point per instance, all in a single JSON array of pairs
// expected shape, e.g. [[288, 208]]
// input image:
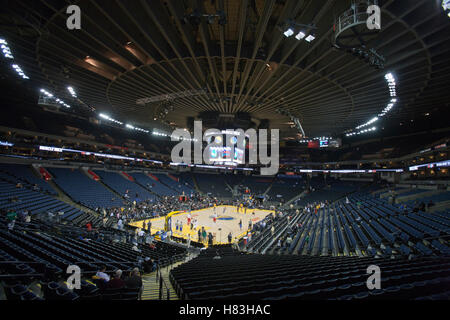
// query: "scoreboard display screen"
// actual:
[[221, 155]]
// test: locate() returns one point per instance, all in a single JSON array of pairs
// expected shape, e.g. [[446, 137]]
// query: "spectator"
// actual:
[[204, 234], [210, 239], [50, 216], [134, 280], [11, 218], [116, 282], [120, 224], [230, 237], [102, 273], [149, 265]]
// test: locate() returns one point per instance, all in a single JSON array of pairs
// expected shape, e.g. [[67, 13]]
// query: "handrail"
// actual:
[[164, 291]]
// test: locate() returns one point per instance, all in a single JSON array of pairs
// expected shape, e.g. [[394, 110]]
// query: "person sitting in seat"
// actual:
[[116, 282], [134, 280], [149, 265], [101, 274]]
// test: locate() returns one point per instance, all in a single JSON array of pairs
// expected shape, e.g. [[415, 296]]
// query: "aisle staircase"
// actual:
[[151, 284], [197, 187]]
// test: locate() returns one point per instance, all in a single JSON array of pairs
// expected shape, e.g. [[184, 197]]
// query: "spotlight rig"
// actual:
[[300, 30], [293, 118], [352, 35], [370, 56]]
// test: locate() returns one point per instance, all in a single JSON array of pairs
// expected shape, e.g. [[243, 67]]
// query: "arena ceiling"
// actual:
[[130, 50]]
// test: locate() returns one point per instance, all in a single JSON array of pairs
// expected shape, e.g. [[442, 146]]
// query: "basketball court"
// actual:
[[227, 220]]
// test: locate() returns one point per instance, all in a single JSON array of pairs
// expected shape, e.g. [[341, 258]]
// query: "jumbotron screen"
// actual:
[[222, 155], [226, 147]]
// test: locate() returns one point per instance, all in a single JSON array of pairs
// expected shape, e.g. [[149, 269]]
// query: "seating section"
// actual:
[[213, 184], [46, 256], [257, 185], [157, 187], [84, 190], [328, 191], [285, 188], [121, 185], [24, 175], [366, 226], [179, 186], [275, 277], [35, 202], [436, 198]]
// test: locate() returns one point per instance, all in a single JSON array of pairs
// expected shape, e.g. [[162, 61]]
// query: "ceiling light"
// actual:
[[72, 92], [300, 35], [310, 38], [289, 32]]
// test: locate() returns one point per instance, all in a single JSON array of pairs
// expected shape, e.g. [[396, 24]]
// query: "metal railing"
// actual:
[[167, 263]]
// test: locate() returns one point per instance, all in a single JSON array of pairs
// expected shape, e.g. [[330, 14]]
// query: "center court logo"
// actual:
[[234, 149]]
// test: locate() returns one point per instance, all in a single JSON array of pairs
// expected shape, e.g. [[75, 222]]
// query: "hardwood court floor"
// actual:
[[228, 219]]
